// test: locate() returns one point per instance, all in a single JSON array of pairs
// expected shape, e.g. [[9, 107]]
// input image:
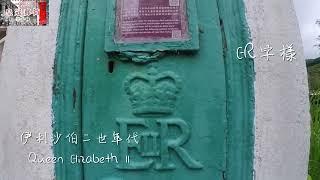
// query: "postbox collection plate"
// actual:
[[151, 21], [151, 25]]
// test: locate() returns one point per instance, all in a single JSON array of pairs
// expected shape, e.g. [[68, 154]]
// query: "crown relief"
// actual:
[[152, 93]]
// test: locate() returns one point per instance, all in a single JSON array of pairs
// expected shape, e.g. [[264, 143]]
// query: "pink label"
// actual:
[[150, 20]]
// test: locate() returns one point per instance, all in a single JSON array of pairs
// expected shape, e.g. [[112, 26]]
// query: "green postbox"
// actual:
[[158, 80]]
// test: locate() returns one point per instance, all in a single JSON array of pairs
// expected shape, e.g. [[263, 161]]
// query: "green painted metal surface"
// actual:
[[240, 91], [67, 85], [192, 111], [183, 115]]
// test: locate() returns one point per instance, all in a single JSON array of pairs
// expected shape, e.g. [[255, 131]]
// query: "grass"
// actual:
[[314, 159], [314, 85]]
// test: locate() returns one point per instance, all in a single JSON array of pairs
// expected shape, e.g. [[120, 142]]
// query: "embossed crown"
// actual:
[[153, 93]]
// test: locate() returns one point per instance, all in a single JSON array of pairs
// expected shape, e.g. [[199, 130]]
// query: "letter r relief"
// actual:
[[159, 144], [175, 144]]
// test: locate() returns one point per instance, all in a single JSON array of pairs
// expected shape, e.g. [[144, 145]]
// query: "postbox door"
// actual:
[[163, 118]]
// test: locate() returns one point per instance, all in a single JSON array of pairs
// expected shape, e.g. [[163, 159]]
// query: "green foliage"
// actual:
[[314, 85], [314, 159], [314, 74]]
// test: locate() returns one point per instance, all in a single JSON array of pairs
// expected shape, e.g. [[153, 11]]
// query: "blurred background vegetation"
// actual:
[[313, 66]]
